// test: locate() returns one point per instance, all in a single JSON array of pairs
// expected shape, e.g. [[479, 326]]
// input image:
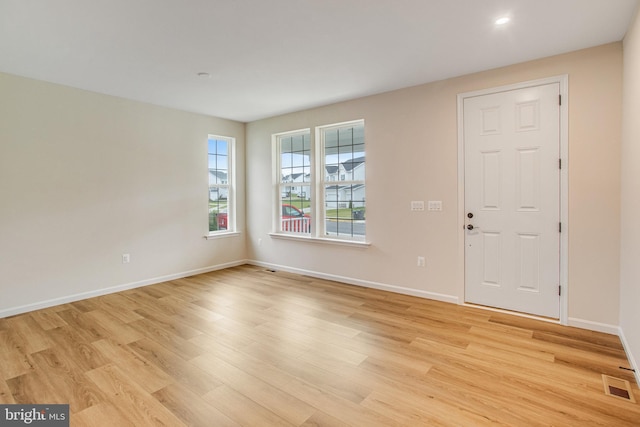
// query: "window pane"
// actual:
[[345, 154], [358, 150], [218, 208], [298, 143], [330, 140], [295, 159], [345, 210], [218, 146], [345, 136], [222, 162], [286, 160], [295, 201], [354, 169], [331, 172], [222, 147], [285, 144], [356, 135], [298, 160]]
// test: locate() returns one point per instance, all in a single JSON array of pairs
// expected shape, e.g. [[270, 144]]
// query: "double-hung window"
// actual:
[[321, 182], [221, 184]]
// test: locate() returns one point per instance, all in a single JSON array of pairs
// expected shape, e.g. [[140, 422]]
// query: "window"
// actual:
[[342, 149], [328, 200], [221, 185], [295, 182]]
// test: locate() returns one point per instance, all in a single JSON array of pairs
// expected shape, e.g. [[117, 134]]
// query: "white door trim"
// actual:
[[563, 81]]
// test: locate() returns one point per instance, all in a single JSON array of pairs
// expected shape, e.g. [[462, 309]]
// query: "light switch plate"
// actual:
[[435, 205], [417, 205]]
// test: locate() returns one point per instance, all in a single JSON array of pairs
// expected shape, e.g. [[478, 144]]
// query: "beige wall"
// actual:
[[411, 138], [630, 241], [85, 178]]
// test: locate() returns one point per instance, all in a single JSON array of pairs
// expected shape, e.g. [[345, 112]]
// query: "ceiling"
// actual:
[[269, 57]]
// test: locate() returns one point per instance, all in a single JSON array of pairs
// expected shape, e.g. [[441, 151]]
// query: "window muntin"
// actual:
[[295, 182], [221, 195], [343, 187]]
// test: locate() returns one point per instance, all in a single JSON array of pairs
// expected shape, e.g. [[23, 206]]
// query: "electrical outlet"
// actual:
[[421, 261], [126, 258]]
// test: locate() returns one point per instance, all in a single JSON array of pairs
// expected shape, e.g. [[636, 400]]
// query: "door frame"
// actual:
[[563, 81]]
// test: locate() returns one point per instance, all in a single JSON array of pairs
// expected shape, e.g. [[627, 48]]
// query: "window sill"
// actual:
[[214, 236], [325, 240]]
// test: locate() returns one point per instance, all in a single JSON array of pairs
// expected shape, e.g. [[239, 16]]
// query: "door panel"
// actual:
[[512, 189]]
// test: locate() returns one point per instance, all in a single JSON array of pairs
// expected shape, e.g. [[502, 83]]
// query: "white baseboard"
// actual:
[[594, 326], [104, 291], [358, 282], [632, 360]]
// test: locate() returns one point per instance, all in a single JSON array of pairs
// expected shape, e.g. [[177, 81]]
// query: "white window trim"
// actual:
[[322, 240], [231, 185], [221, 234]]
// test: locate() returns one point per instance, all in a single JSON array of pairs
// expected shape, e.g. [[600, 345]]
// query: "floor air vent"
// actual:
[[617, 388]]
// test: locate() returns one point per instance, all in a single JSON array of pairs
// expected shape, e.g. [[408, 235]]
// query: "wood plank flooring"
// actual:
[[248, 347]]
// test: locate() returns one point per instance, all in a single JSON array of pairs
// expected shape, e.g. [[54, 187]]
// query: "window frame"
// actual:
[[230, 186]]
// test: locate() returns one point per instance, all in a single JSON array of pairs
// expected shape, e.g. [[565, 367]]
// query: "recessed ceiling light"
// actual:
[[503, 20]]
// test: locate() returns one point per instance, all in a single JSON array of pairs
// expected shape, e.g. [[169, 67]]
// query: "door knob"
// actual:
[[469, 227]]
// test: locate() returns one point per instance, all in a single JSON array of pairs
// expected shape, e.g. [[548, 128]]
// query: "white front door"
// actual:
[[512, 199]]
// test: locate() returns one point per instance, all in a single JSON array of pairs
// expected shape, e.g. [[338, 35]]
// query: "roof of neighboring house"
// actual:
[[292, 177], [218, 174], [331, 169], [353, 163]]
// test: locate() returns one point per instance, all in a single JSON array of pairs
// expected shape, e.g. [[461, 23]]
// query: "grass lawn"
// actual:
[[341, 213], [345, 213], [218, 206], [298, 203]]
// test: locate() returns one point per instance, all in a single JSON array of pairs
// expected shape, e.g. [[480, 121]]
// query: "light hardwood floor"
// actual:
[[245, 346]]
